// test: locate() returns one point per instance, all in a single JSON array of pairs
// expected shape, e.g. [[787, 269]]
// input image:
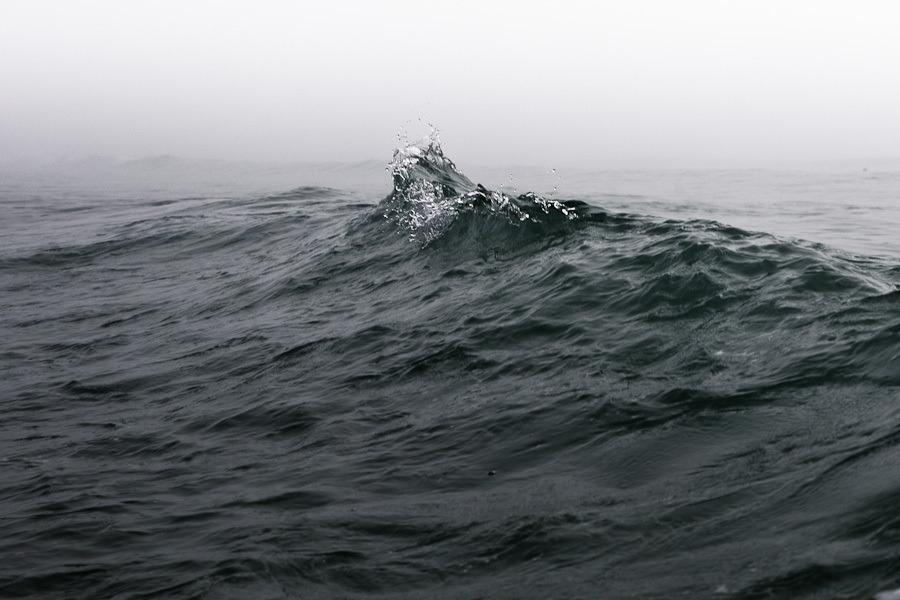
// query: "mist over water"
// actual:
[[571, 84], [228, 380]]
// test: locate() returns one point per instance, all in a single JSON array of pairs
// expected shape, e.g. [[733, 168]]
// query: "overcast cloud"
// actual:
[[543, 83]]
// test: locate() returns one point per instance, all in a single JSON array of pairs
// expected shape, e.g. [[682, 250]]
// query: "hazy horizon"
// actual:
[[574, 85]]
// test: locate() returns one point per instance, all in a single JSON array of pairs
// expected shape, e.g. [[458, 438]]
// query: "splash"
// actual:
[[430, 193]]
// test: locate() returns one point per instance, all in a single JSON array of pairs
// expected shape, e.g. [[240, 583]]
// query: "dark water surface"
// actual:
[[450, 392]]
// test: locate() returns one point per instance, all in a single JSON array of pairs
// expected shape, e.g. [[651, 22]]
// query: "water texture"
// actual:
[[448, 392]]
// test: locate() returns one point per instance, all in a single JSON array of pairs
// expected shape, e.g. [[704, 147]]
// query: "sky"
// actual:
[[582, 84]]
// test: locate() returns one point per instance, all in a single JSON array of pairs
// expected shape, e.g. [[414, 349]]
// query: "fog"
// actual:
[[539, 83]]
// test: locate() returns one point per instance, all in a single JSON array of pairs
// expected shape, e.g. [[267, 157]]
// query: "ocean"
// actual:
[[237, 380]]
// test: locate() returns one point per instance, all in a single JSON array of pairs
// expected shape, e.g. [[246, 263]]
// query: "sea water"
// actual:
[[340, 381]]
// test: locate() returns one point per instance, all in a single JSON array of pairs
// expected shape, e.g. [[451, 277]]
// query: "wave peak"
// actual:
[[430, 193]]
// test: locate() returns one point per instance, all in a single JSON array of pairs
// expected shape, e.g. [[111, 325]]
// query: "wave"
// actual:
[[433, 200], [430, 196], [801, 312]]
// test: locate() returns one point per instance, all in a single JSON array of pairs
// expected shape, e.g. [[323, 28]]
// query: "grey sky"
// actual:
[[542, 83]]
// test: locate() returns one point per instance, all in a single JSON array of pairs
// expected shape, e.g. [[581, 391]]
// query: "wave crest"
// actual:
[[430, 193]]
